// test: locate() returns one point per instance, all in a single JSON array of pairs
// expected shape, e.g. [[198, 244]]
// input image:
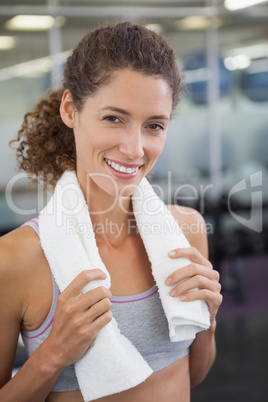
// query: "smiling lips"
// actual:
[[121, 168]]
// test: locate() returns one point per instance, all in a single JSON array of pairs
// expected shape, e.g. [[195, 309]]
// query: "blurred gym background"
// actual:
[[215, 158]]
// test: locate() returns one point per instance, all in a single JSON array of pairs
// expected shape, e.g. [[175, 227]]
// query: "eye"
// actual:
[[156, 127], [112, 119]]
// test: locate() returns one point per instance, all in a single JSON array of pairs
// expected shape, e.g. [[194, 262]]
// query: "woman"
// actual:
[[109, 121]]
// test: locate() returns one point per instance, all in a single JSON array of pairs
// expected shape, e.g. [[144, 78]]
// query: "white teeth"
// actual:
[[121, 168]]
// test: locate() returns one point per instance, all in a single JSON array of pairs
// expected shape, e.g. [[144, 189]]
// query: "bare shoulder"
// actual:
[[20, 265], [20, 252], [193, 225]]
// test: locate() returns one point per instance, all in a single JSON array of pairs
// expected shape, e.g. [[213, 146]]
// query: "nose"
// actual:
[[132, 144]]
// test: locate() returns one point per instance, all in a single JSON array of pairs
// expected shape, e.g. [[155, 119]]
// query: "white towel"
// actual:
[[160, 234], [112, 364]]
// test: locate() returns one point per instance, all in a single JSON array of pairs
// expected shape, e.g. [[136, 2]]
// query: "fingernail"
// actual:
[[171, 253], [173, 292], [168, 281], [182, 298]]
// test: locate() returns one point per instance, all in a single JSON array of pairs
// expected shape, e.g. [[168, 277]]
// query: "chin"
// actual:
[[123, 191]]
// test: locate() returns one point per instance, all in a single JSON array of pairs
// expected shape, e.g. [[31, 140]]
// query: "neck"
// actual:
[[112, 218]]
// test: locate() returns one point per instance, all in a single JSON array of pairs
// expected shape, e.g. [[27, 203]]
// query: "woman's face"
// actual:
[[121, 131]]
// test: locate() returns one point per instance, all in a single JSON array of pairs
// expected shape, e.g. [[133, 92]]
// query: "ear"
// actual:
[[67, 109]]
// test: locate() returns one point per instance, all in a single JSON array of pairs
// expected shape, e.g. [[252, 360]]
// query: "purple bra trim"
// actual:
[[35, 336], [135, 298], [49, 319], [32, 220], [43, 327]]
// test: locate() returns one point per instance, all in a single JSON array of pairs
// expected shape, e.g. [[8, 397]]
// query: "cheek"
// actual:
[[88, 141], [156, 148]]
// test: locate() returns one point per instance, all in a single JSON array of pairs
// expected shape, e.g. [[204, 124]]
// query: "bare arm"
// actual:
[[81, 316], [202, 276], [202, 355], [34, 380]]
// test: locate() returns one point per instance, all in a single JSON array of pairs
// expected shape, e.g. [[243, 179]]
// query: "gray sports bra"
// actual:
[[140, 318]]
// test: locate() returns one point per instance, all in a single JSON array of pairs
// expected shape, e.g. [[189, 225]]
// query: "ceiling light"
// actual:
[[30, 23], [229, 63], [239, 62], [195, 22], [7, 42], [238, 4], [192, 22]]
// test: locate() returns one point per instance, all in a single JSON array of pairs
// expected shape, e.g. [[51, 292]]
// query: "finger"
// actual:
[[191, 270], [98, 309], [81, 280], [197, 281], [100, 322], [92, 297], [192, 253], [212, 298]]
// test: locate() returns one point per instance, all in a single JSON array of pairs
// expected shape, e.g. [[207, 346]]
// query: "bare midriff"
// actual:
[[170, 384]]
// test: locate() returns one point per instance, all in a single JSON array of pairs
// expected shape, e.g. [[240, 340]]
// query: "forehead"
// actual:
[[132, 90]]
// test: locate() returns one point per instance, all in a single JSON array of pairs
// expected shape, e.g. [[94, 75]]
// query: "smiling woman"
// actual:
[[99, 136], [129, 141], [94, 61]]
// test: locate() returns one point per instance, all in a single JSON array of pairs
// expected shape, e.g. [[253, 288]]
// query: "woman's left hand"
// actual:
[[198, 274]]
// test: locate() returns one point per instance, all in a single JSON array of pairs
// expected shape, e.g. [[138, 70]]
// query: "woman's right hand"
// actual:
[[78, 318]]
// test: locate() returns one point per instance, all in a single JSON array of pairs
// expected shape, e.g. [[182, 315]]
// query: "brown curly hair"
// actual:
[[46, 145]]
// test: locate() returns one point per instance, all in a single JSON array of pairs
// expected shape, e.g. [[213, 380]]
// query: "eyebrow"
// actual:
[[126, 113]]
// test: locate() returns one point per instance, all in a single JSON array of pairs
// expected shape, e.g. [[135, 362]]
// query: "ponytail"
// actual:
[[46, 145]]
